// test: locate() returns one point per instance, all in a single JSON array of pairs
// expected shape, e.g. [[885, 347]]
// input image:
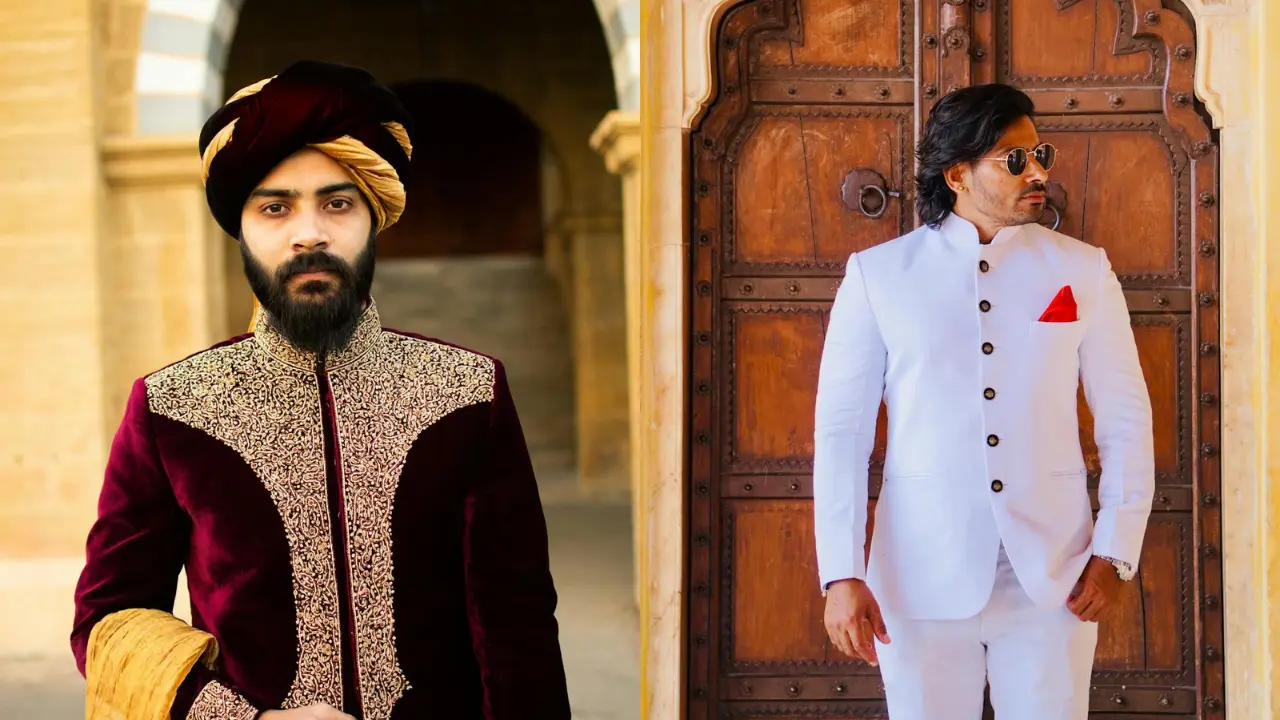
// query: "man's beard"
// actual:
[[317, 315], [997, 207]]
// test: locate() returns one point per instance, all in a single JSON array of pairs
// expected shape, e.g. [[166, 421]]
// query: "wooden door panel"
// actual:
[[1149, 637], [1130, 209], [772, 359], [862, 34], [768, 627], [787, 186], [772, 354], [1164, 348], [1031, 35], [769, 554]]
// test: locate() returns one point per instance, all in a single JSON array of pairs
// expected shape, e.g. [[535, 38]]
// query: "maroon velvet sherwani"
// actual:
[[361, 529]]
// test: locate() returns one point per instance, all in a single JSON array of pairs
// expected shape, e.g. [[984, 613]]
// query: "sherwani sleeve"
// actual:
[[134, 553], [1121, 406], [850, 388], [510, 594]]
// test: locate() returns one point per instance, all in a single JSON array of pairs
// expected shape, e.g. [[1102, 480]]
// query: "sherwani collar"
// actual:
[[962, 233], [277, 346]]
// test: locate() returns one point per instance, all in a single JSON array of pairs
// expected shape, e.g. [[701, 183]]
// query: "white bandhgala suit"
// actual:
[[984, 523]]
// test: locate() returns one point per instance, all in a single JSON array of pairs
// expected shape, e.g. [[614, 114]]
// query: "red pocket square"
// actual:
[[1063, 307]]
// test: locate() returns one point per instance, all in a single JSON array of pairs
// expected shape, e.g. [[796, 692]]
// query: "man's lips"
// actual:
[[1034, 197], [312, 275]]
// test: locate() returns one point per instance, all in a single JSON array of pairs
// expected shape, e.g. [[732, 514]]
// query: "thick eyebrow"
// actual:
[[282, 193], [337, 188], [273, 193]]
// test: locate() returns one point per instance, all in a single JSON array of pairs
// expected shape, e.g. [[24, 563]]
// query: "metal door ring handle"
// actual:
[[1057, 217], [864, 183], [862, 200]]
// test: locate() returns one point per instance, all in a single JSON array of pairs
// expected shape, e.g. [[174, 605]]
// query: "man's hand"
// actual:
[[1096, 591], [853, 620], [319, 711]]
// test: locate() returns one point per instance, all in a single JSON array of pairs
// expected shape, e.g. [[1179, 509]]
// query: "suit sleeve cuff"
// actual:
[[219, 702]]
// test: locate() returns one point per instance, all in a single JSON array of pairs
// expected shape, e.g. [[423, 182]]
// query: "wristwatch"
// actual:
[[1123, 569]]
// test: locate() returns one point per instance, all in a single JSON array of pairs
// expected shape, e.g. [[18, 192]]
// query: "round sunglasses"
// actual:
[[1015, 161]]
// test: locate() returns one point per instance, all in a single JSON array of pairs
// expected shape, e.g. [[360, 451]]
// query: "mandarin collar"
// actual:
[[962, 233], [363, 339]]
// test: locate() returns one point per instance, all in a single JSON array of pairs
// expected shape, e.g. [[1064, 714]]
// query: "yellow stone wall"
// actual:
[[53, 359], [1265, 388]]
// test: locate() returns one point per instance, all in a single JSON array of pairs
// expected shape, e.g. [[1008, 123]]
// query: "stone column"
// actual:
[[165, 273], [597, 327], [617, 138]]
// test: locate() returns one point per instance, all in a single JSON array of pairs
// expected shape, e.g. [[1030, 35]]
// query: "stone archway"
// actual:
[[184, 47]]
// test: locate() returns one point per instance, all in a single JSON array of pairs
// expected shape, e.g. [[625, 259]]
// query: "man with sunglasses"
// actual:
[[986, 564]]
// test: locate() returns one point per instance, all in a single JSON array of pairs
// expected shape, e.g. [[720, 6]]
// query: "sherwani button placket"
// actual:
[[988, 348]]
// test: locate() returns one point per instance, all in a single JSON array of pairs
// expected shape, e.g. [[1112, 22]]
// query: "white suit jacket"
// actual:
[[983, 439]]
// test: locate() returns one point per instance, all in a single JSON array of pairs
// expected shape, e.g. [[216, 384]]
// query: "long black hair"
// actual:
[[963, 126]]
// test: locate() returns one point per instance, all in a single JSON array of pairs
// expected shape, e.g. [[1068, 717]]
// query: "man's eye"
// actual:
[[340, 203], [273, 209]]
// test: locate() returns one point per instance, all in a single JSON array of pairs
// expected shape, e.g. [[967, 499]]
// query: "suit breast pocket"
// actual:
[[1053, 357]]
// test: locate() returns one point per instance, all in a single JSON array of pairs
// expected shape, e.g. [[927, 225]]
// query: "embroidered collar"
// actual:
[[362, 340]]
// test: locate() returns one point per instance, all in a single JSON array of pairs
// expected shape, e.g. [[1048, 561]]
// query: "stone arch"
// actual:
[[179, 76]]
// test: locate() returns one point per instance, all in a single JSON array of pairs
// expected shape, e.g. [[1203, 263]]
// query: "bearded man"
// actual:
[[355, 507]]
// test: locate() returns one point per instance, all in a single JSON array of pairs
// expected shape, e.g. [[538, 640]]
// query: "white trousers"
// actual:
[[1037, 660]]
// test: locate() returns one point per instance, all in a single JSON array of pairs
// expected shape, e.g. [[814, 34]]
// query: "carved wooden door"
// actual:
[[805, 154]]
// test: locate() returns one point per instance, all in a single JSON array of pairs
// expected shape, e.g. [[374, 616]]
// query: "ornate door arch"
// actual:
[[816, 109]]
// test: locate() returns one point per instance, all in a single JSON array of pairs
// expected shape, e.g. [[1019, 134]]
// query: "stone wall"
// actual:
[[53, 421], [52, 363]]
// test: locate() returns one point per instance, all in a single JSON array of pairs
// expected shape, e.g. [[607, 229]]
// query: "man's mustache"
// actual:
[[1035, 187], [316, 261]]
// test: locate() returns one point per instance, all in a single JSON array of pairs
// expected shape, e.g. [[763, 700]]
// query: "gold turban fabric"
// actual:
[[337, 109]]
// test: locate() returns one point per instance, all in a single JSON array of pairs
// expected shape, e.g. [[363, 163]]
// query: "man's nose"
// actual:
[[1036, 171], [309, 234]]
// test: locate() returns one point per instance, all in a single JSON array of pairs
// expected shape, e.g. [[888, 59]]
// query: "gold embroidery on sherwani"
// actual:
[[269, 413], [384, 402], [261, 397], [218, 702]]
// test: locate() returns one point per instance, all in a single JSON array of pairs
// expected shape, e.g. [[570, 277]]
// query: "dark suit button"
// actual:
[[984, 266], [992, 440], [989, 393], [997, 486], [984, 305], [988, 348]]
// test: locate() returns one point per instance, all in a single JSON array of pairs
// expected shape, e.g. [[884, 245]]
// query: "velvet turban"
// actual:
[[337, 109]]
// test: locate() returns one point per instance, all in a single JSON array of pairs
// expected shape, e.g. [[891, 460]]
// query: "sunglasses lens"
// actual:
[[1017, 161], [1046, 155]]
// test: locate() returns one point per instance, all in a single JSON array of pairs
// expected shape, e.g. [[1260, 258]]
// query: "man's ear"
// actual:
[[957, 177]]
